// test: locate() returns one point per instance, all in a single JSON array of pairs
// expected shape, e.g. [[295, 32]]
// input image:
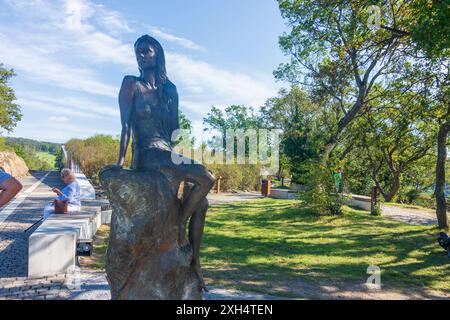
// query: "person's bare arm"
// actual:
[[126, 104], [57, 191], [9, 188]]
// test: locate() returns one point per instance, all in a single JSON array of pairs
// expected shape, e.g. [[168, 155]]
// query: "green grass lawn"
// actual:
[[47, 157], [258, 245], [279, 240]]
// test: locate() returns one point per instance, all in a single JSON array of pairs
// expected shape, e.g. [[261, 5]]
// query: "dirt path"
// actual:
[[410, 215], [333, 290]]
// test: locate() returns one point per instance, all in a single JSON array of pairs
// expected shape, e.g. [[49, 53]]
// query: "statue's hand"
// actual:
[[118, 165]]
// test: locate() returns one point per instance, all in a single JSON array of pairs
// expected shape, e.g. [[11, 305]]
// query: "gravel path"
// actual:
[[93, 286], [227, 197], [410, 215]]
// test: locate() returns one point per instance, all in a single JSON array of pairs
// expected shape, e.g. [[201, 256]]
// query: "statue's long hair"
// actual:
[[161, 73]]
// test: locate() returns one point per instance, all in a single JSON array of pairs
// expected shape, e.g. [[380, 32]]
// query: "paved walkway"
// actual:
[[25, 209]]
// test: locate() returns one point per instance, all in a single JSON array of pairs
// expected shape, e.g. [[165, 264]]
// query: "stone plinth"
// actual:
[[146, 259]]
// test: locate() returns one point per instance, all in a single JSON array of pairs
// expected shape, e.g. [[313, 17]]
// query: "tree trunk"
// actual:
[[441, 211], [394, 189], [343, 123]]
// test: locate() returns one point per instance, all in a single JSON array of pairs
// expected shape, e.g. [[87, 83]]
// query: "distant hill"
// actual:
[[38, 146]]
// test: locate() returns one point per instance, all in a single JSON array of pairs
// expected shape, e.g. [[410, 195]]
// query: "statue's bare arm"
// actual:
[[126, 96], [173, 107]]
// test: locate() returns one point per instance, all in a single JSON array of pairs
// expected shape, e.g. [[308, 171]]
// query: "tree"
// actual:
[[299, 118], [427, 81], [185, 123], [431, 35], [237, 117], [430, 29], [441, 210], [336, 54], [395, 135], [9, 110], [234, 117]]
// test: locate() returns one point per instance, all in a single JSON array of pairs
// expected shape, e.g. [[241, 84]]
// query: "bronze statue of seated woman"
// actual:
[[149, 115]]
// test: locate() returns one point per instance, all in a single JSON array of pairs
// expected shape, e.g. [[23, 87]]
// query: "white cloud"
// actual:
[[90, 108], [58, 119], [43, 69], [77, 11], [28, 104], [78, 38], [113, 21], [219, 86], [186, 43]]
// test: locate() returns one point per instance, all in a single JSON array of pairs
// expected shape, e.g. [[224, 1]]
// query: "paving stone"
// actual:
[[14, 283]]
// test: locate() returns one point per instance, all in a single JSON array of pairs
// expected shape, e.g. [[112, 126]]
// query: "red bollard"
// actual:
[[218, 184]]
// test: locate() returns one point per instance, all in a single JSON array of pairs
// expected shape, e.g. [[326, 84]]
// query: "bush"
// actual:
[[376, 211], [321, 195], [416, 197], [425, 200], [237, 177], [95, 153]]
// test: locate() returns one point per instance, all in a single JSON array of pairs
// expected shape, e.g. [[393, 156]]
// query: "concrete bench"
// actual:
[[283, 194], [52, 246], [358, 201]]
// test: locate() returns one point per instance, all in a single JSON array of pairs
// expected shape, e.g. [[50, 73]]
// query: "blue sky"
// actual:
[[70, 57]]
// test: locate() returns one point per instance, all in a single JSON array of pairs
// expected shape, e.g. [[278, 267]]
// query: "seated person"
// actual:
[[71, 192], [9, 187]]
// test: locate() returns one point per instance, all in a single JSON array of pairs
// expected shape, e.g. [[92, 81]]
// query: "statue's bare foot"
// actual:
[[198, 271]]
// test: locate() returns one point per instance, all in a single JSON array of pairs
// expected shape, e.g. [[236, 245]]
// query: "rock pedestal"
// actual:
[[146, 259]]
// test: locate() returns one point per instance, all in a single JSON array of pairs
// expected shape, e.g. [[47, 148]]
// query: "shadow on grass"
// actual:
[[272, 240]]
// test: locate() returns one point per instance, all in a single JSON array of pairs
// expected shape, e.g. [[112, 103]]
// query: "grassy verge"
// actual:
[[253, 245], [47, 157], [97, 260]]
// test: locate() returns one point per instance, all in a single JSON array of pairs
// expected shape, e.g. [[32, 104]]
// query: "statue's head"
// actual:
[[150, 55]]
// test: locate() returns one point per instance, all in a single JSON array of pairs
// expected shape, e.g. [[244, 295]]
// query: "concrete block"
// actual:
[[361, 202], [106, 216], [283, 194], [51, 252], [52, 246]]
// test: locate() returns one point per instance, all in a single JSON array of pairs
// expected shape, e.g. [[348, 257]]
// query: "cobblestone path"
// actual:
[[13, 238]]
